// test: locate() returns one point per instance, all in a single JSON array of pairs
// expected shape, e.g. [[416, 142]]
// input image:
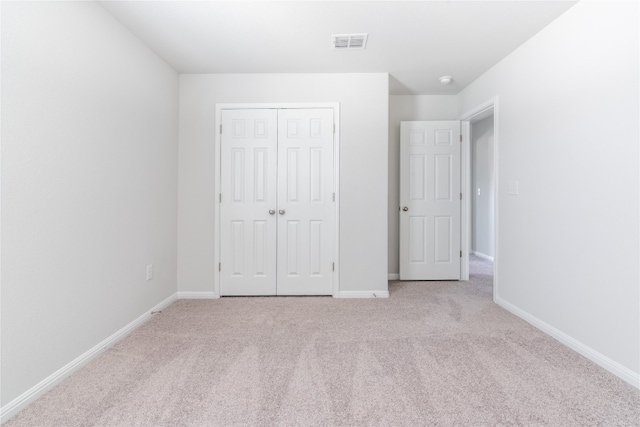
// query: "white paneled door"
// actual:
[[305, 202], [249, 144], [430, 200], [277, 202]]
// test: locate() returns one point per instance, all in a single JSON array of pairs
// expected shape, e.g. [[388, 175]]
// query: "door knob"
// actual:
[[404, 208], [271, 212], [281, 211]]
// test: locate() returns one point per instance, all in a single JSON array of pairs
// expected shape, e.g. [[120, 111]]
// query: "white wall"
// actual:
[[568, 131], [406, 108], [482, 226], [363, 102], [89, 184]]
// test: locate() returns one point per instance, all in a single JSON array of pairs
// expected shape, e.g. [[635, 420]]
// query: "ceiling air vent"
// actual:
[[348, 41]]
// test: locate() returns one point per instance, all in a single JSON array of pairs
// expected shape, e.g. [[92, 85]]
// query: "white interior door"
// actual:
[[430, 200], [305, 202], [277, 211], [248, 202]]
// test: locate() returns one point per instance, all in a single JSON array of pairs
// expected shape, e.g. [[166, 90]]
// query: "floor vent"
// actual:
[[348, 41]]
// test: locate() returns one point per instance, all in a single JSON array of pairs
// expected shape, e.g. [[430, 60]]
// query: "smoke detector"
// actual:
[[348, 41], [445, 80]]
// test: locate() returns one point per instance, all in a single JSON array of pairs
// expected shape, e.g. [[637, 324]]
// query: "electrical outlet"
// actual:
[[149, 271]]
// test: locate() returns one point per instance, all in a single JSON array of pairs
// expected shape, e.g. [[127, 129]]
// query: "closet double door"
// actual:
[[277, 202]]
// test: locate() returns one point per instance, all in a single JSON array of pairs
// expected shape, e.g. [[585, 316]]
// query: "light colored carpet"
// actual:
[[434, 353]]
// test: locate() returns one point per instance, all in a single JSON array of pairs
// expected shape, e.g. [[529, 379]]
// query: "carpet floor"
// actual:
[[433, 353]]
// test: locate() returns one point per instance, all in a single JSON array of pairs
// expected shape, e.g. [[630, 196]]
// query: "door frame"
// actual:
[[218, 176], [466, 214]]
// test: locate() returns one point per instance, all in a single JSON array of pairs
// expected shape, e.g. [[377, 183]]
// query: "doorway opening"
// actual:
[[480, 178]]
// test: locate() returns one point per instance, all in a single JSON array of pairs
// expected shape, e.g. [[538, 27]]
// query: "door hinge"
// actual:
[[460, 254], [334, 197], [220, 129], [333, 266], [220, 197], [460, 137], [460, 196], [334, 128], [219, 266]]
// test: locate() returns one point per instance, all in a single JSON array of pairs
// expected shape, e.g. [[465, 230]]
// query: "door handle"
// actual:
[[271, 212], [404, 208], [281, 211]]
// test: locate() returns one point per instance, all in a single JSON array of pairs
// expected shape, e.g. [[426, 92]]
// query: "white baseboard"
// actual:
[[598, 358], [363, 294], [22, 401], [197, 295], [394, 276], [483, 256]]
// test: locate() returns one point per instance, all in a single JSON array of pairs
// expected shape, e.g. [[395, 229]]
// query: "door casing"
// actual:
[[217, 184]]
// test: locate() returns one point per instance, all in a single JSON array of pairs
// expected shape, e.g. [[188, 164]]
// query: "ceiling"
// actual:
[[416, 42]]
